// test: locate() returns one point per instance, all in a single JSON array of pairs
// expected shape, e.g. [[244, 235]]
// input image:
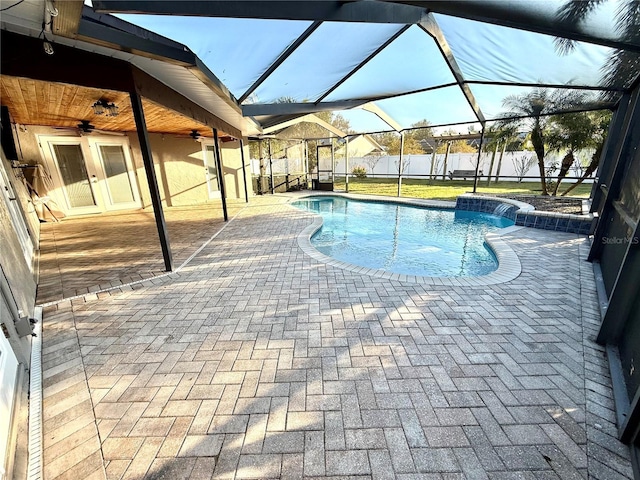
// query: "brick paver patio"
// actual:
[[84, 254], [257, 361]]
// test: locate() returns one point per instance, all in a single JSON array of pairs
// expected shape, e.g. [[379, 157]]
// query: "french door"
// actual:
[[91, 174]]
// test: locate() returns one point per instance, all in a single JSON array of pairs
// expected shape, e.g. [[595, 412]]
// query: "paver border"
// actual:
[[509, 266]]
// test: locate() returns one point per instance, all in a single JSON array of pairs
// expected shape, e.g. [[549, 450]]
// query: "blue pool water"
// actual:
[[404, 239]]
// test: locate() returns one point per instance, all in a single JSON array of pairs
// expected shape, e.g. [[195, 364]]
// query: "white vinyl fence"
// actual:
[[418, 166]]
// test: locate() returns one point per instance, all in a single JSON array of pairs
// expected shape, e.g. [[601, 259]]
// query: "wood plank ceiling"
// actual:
[[35, 102]]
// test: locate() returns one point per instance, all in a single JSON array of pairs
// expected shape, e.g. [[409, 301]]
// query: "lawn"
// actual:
[[446, 189]]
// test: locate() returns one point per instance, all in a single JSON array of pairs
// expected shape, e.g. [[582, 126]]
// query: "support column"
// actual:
[[400, 163], [475, 177], [147, 159], [493, 159], [446, 158], [270, 165], [306, 164], [262, 169], [223, 194], [333, 163], [244, 171], [346, 165]]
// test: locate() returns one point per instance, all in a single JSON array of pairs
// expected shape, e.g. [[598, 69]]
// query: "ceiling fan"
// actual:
[[85, 126]]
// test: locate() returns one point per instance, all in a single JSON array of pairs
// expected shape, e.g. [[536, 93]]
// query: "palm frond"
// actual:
[[571, 13]]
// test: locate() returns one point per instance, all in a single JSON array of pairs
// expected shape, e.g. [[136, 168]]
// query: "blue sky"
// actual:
[[238, 51]]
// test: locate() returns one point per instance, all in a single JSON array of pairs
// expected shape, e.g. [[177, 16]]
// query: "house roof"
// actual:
[[171, 63], [451, 62]]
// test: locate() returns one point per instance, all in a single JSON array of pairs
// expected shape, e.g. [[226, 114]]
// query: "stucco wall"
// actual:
[[180, 170], [179, 165], [232, 166], [29, 153]]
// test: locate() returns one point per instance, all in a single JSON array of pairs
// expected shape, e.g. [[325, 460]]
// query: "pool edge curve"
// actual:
[[509, 266]]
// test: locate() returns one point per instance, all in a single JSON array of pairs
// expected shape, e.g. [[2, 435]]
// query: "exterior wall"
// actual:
[[19, 273], [179, 165], [180, 170], [360, 146], [232, 166]]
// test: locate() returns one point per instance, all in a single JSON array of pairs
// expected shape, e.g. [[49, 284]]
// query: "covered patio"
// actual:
[[257, 361], [88, 254]]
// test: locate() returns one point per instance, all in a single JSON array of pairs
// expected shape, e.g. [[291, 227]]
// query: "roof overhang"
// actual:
[[170, 63]]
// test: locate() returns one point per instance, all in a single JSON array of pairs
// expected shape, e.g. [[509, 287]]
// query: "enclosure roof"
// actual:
[[446, 62]]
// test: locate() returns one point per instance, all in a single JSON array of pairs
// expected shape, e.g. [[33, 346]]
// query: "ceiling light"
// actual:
[[104, 107]]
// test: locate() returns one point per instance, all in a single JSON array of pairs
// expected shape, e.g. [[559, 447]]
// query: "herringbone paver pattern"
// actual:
[[86, 254], [257, 361]]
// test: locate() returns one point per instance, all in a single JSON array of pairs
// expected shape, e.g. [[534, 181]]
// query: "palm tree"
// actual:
[[527, 111], [498, 136], [600, 124], [574, 132]]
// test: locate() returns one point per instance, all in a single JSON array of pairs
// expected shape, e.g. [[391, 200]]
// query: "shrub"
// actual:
[[359, 171]]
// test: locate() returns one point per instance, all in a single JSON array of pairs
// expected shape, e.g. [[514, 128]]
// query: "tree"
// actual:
[[622, 66], [372, 160], [335, 119], [602, 120], [406, 161], [533, 106], [522, 164], [499, 138], [573, 132], [422, 135], [390, 141]]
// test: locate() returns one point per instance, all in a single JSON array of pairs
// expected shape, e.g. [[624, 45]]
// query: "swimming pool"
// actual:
[[404, 239]]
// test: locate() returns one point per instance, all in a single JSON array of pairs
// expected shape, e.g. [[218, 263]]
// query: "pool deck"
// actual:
[[257, 360]]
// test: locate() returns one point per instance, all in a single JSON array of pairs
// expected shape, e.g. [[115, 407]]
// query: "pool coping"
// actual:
[[509, 266]]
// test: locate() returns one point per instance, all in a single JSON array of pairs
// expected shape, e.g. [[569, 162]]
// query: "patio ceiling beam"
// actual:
[[156, 91], [283, 56], [94, 27], [564, 86], [503, 13], [311, 118], [331, 11], [431, 27], [364, 62], [256, 109], [271, 121]]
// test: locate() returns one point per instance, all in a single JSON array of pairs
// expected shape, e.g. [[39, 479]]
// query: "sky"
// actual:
[[238, 51]]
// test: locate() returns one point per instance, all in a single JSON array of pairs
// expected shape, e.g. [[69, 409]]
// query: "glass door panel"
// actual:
[[117, 175], [74, 175]]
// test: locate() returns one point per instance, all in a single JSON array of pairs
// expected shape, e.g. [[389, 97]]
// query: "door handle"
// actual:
[[94, 179]]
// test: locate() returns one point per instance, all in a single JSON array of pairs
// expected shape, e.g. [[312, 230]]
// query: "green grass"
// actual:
[[446, 189]]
